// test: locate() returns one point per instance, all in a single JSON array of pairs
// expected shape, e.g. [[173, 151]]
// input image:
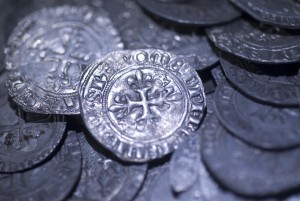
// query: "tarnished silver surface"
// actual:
[[256, 42], [53, 180], [48, 51], [105, 179], [141, 104], [282, 13], [26, 139]]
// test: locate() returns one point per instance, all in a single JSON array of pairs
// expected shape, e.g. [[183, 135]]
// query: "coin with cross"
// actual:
[[141, 104]]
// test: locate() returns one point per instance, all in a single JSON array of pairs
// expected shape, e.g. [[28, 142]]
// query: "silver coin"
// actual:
[[139, 30], [141, 104], [256, 42], [208, 12], [276, 85], [53, 180], [162, 190], [247, 170], [105, 179], [153, 173], [282, 13], [258, 124], [26, 139], [184, 165], [48, 51]]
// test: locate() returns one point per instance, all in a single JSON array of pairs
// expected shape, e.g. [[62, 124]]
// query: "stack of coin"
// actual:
[[147, 100]]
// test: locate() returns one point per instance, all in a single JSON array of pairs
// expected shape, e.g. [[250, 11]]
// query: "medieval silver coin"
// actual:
[[26, 139], [139, 30], [105, 179], [256, 42], [281, 13], [276, 85], [47, 52], [141, 104], [53, 180], [267, 173], [261, 125], [184, 164], [208, 12]]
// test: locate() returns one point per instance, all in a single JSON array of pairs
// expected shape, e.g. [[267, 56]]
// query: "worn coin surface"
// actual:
[[25, 139], [184, 164], [258, 124], [271, 84], [139, 30], [48, 51], [207, 12], [141, 104], [105, 179], [53, 180], [256, 42], [282, 13], [248, 170]]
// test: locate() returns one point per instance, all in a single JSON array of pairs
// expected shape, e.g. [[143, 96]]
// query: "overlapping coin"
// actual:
[[47, 52], [141, 104]]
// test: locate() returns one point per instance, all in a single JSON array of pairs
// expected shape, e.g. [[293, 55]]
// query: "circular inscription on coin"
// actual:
[[53, 180], [257, 42], [283, 13], [141, 104], [49, 49]]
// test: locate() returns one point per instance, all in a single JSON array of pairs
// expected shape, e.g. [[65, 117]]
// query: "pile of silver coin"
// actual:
[[150, 100]]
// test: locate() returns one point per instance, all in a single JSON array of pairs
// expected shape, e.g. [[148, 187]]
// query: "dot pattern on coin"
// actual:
[[47, 52], [282, 13], [54, 179], [105, 179], [258, 124], [257, 42], [267, 83], [208, 12], [141, 104]]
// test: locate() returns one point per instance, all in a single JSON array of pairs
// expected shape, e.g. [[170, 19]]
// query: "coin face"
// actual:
[[261, 125], [53, 180], [138, 30], [193, 12], [26, 139], [282, 13], [256, 42], [267, 173], [105, 179], [276, 85], [141, 104], [49, 49]]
